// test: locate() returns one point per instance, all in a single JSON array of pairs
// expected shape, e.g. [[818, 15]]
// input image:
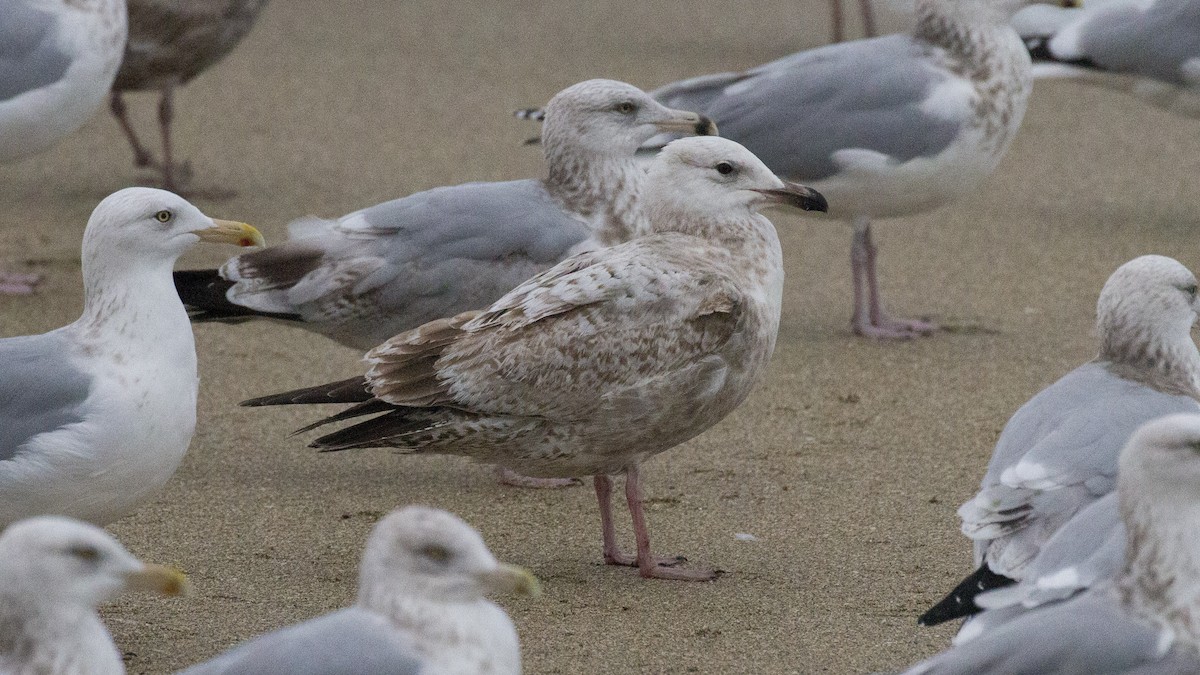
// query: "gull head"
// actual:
[[145, 224], [714, 178], [611, 118], [1148, 304], [1163, 458], [57, 561], [428, 554]]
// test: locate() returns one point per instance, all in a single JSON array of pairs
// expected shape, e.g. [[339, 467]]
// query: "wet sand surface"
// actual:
[[846, 466]]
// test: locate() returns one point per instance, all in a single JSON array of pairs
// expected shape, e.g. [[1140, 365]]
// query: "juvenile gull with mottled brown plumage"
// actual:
[[608, 358]]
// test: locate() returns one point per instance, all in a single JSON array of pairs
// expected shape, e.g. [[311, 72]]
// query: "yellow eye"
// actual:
[[163, 216], [436, 553]]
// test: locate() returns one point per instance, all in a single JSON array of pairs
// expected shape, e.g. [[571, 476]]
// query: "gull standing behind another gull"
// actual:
[[839, 25], [606, 359], [394, 266], [1059, 452], [171, 42], [1149, 48], [57, 60], [421, 608], [53, 573], [95, 416], [886, 127], [1142, 622]]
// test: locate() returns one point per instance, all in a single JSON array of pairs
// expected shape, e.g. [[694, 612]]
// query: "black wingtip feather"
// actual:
[[352, 390], [960, 602], [203, 294]]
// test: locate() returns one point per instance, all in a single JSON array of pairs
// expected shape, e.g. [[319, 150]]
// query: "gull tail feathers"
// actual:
[[960, 602], [205, 295], [352, 390]]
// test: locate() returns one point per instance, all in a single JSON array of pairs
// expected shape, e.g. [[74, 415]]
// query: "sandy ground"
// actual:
[[847, 465]]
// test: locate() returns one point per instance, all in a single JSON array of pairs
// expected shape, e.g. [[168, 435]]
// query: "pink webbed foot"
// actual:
[[15, 283], [510, 477], [894, 329]]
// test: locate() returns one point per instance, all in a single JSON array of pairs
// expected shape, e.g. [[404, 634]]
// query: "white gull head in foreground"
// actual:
[[53, 573], [884, 127], [606, 359], [421, 608], [95, 416], [1144, 621], [1058, 453]]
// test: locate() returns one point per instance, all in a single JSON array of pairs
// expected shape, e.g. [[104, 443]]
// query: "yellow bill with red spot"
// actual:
[[231, 232]]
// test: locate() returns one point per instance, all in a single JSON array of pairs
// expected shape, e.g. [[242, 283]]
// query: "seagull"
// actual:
[[54, 571], [170, 43], [57, 60], [884, 127], [1150, 48], [95, 416], [421, 608], [1058, 453], [1143, 621], [606, 359], [394, 266]]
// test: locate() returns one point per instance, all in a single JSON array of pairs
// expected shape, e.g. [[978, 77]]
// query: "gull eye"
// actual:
[[84, 552], [1189, 289], [438, 554], [164, 216], [626, 107], [724, 168]]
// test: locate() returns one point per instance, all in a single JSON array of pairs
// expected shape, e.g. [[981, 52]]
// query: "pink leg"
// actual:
[[839, 32], [15, 283], [648, 566], [166, 114], [612, 552], [510, 477], [869, 319], [868, 17], [141, 156]]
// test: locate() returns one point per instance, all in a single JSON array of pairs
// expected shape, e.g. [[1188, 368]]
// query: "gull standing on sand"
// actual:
[[1059, 452], [885, 127], [1150, 48], [421, 608], [839, 24], [95, 416], [394, 266], [1144, 620], [53, 573], [171, 42], [606, 359], [57, 61]]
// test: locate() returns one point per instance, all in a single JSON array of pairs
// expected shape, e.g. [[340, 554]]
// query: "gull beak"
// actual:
[[230, 232], [512, 580], [686, 122], [163, 580], [797, 195]]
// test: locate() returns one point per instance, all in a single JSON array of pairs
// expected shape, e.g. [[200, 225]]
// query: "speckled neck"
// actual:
[[1162, 564], [1164, 360], [603, 190]]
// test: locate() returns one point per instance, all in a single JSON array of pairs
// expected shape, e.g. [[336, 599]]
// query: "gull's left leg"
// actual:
[[869, 319], [649, 566], [868, 18]]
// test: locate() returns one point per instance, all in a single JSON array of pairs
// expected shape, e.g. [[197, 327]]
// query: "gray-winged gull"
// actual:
[[391, 267], [95, 416], [606, 359], [57, 60], [54, 571], [1058, 453], [1144, 621], [171, 42], [421, 608], [1149, 47], [885, 127]]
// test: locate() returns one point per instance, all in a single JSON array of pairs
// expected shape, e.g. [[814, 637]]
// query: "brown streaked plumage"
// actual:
[[171, 42], [606, 359]]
